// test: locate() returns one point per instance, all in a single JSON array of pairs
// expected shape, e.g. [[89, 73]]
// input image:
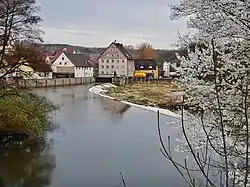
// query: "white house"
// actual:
[[116, 59], [73, 65]]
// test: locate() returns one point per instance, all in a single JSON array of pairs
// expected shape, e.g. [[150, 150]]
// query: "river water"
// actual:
[[96, 139]]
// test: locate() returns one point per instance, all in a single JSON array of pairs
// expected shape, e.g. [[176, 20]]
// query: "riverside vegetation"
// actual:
[[160, 95], [24, 118]]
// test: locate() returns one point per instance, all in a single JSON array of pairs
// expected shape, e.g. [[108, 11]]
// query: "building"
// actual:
[[52, 57], [169, 69], [116, 60], [72, 65], [147, 66], [31, 71]]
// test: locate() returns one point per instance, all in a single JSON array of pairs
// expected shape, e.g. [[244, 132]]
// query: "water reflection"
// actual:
[[114, 107], [26, 168]]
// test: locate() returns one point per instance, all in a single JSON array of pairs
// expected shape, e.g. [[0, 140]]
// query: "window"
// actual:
[[123, 61], [112, 60], [107, 61], [65, 63], [62, 58], [102, 72], [112, 66], [150, 67], [117, 55], [107, 66], [102, 66], [117, 61], [141, 67], [102, 60], [60, 63], [122, 67]]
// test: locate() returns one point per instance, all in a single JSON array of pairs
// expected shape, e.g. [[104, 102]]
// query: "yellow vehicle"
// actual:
[[138, 75]]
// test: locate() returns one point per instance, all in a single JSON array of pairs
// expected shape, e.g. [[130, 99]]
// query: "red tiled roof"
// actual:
[[56, 54]]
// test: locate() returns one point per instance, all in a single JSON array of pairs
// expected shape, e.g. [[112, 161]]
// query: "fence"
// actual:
[[124, 80], [43, 83]]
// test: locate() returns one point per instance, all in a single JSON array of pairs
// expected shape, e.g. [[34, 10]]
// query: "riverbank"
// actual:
[[103, 90]]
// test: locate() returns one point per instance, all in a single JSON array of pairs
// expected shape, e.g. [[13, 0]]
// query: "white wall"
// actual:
[[84, 71], [166, 68], [61, 61], [118, 65]]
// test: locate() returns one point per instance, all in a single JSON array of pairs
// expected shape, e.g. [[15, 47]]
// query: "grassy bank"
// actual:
[[24, 117], [149, 94]]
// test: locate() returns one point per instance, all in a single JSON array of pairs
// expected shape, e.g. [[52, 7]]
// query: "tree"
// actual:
[[22, 113], [146, 51], [215, 126], [19, 21]]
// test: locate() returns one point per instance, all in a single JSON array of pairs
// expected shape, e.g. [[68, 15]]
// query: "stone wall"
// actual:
[[43, 83]]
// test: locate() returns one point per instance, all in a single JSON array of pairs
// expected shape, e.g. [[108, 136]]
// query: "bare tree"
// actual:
[[19, 21], [146, 51]]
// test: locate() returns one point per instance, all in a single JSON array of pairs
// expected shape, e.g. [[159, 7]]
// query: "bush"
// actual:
[[23, 112]]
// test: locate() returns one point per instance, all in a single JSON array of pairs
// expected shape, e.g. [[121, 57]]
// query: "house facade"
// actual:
[[50, 58], [116, 60], [72, 65], [147, 66]]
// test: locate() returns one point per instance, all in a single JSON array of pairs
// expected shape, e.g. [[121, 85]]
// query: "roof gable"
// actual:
[[120, 47]]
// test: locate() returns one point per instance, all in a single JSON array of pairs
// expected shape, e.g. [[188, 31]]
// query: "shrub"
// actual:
[[23, 112]]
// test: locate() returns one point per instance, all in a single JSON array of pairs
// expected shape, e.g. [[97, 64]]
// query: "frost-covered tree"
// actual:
[[215, 126]]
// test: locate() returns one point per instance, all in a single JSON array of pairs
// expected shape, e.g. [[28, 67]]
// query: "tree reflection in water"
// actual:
[[26, 168]]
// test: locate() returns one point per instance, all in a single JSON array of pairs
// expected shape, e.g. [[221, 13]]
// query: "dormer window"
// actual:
[[150, 67], [141, 67], [62, 58]]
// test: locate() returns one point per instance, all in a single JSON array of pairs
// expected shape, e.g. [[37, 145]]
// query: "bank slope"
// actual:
[[102, 90]]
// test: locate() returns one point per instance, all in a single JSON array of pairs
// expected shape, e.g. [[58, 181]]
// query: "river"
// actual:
[[96, 139]]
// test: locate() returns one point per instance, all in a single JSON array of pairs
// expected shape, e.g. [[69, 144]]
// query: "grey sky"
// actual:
[[99, 22]]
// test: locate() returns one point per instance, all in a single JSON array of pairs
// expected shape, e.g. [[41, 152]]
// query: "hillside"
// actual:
[[168, 55]]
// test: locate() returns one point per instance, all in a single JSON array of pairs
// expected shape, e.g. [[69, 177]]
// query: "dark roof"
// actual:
[[41, 67], [122, 50], [79, 60], [144, 64]]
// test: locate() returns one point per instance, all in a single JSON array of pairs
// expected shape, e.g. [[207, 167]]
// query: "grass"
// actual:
[[149, 94]]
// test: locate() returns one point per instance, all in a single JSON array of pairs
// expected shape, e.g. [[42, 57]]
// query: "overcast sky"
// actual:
[[99, 22]]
